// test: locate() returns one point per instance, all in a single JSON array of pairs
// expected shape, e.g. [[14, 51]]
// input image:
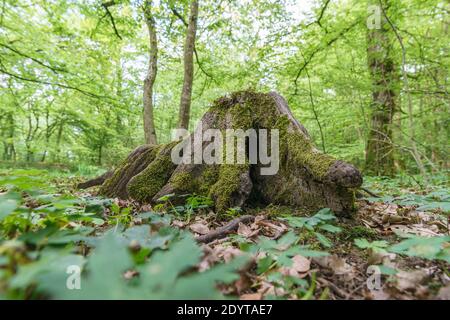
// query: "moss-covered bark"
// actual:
[[306, 177]]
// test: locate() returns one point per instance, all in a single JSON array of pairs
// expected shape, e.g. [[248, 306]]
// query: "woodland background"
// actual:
[[72, 75]]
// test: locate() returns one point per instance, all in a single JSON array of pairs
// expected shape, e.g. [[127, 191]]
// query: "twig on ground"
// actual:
[[225, 230], [341, 293], [370, 192]]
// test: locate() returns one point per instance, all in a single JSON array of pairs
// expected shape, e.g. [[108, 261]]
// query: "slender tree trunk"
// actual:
[[415, 151], [9, 142], [149, 81], [186, 94], [380, 147], [58, 140]]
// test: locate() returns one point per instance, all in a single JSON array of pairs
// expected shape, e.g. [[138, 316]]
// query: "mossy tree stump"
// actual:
[[306, 178]]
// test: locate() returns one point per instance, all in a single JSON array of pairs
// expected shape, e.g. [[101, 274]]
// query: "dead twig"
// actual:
[[370, 192], [225, 230], [339, 292]]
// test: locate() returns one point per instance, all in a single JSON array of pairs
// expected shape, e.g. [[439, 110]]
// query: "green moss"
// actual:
[[304, 154], [106, 187], [228, 183], [301, 150], [307, 237], [125, 170], [182, 181], [209, 177], [148, 182], [276, 210], [354, 232]]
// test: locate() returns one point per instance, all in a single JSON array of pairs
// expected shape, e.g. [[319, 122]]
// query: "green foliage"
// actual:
[[278, 252], [432, 248], [193, 203], [72, 87], [439, 199], [233, 212], [163, 276], [275, 254], [59, 227], [376, 246], [424, 247], [121, 215], [320, 221]]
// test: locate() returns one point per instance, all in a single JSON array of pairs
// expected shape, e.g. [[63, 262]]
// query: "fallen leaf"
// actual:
[[130, 274], [409, 280], [300, 266], [199, 228], [267, 288], [444, 293], [337, 265], [229, 253], [244, 230], [178, 223], [251, 296]]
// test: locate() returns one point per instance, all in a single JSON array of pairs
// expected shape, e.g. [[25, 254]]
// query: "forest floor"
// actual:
[[395, 246]]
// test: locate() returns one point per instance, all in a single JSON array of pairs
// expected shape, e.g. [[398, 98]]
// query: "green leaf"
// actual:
[[7, 206], [264, 264], [429, 248], [50, 262], [164, 267], [104, 279], [323, 240]]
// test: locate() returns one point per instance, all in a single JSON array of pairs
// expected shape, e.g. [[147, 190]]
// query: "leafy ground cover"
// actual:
[[55, 239]]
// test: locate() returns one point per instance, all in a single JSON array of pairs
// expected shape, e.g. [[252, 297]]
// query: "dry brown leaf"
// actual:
[[178, 223], [409, 280], [337, 265], [229, 253], [376, 294], [267, 288], [129, 274], [243, 283], [199, 228], [146, 207], [380, 258], [415, 229], [251, 296], [244, 230], [444, 293], [300, 267]]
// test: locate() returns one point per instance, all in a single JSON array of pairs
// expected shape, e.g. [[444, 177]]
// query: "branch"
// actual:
[[19, 77], [54, 69], [322, 12], [370, 192], [106, 6], [224, 230], [318, 49], [179, 16]]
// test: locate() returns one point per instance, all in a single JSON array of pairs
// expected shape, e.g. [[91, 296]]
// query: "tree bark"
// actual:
[[186, 94], [149, 81], [383, 72]]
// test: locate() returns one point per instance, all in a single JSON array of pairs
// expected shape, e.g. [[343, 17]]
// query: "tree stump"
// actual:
[[306, 178]]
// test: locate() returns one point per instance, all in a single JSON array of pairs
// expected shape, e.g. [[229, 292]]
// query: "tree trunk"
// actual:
[[306, 178], [149, 81], [380, 148], [186, 94]]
